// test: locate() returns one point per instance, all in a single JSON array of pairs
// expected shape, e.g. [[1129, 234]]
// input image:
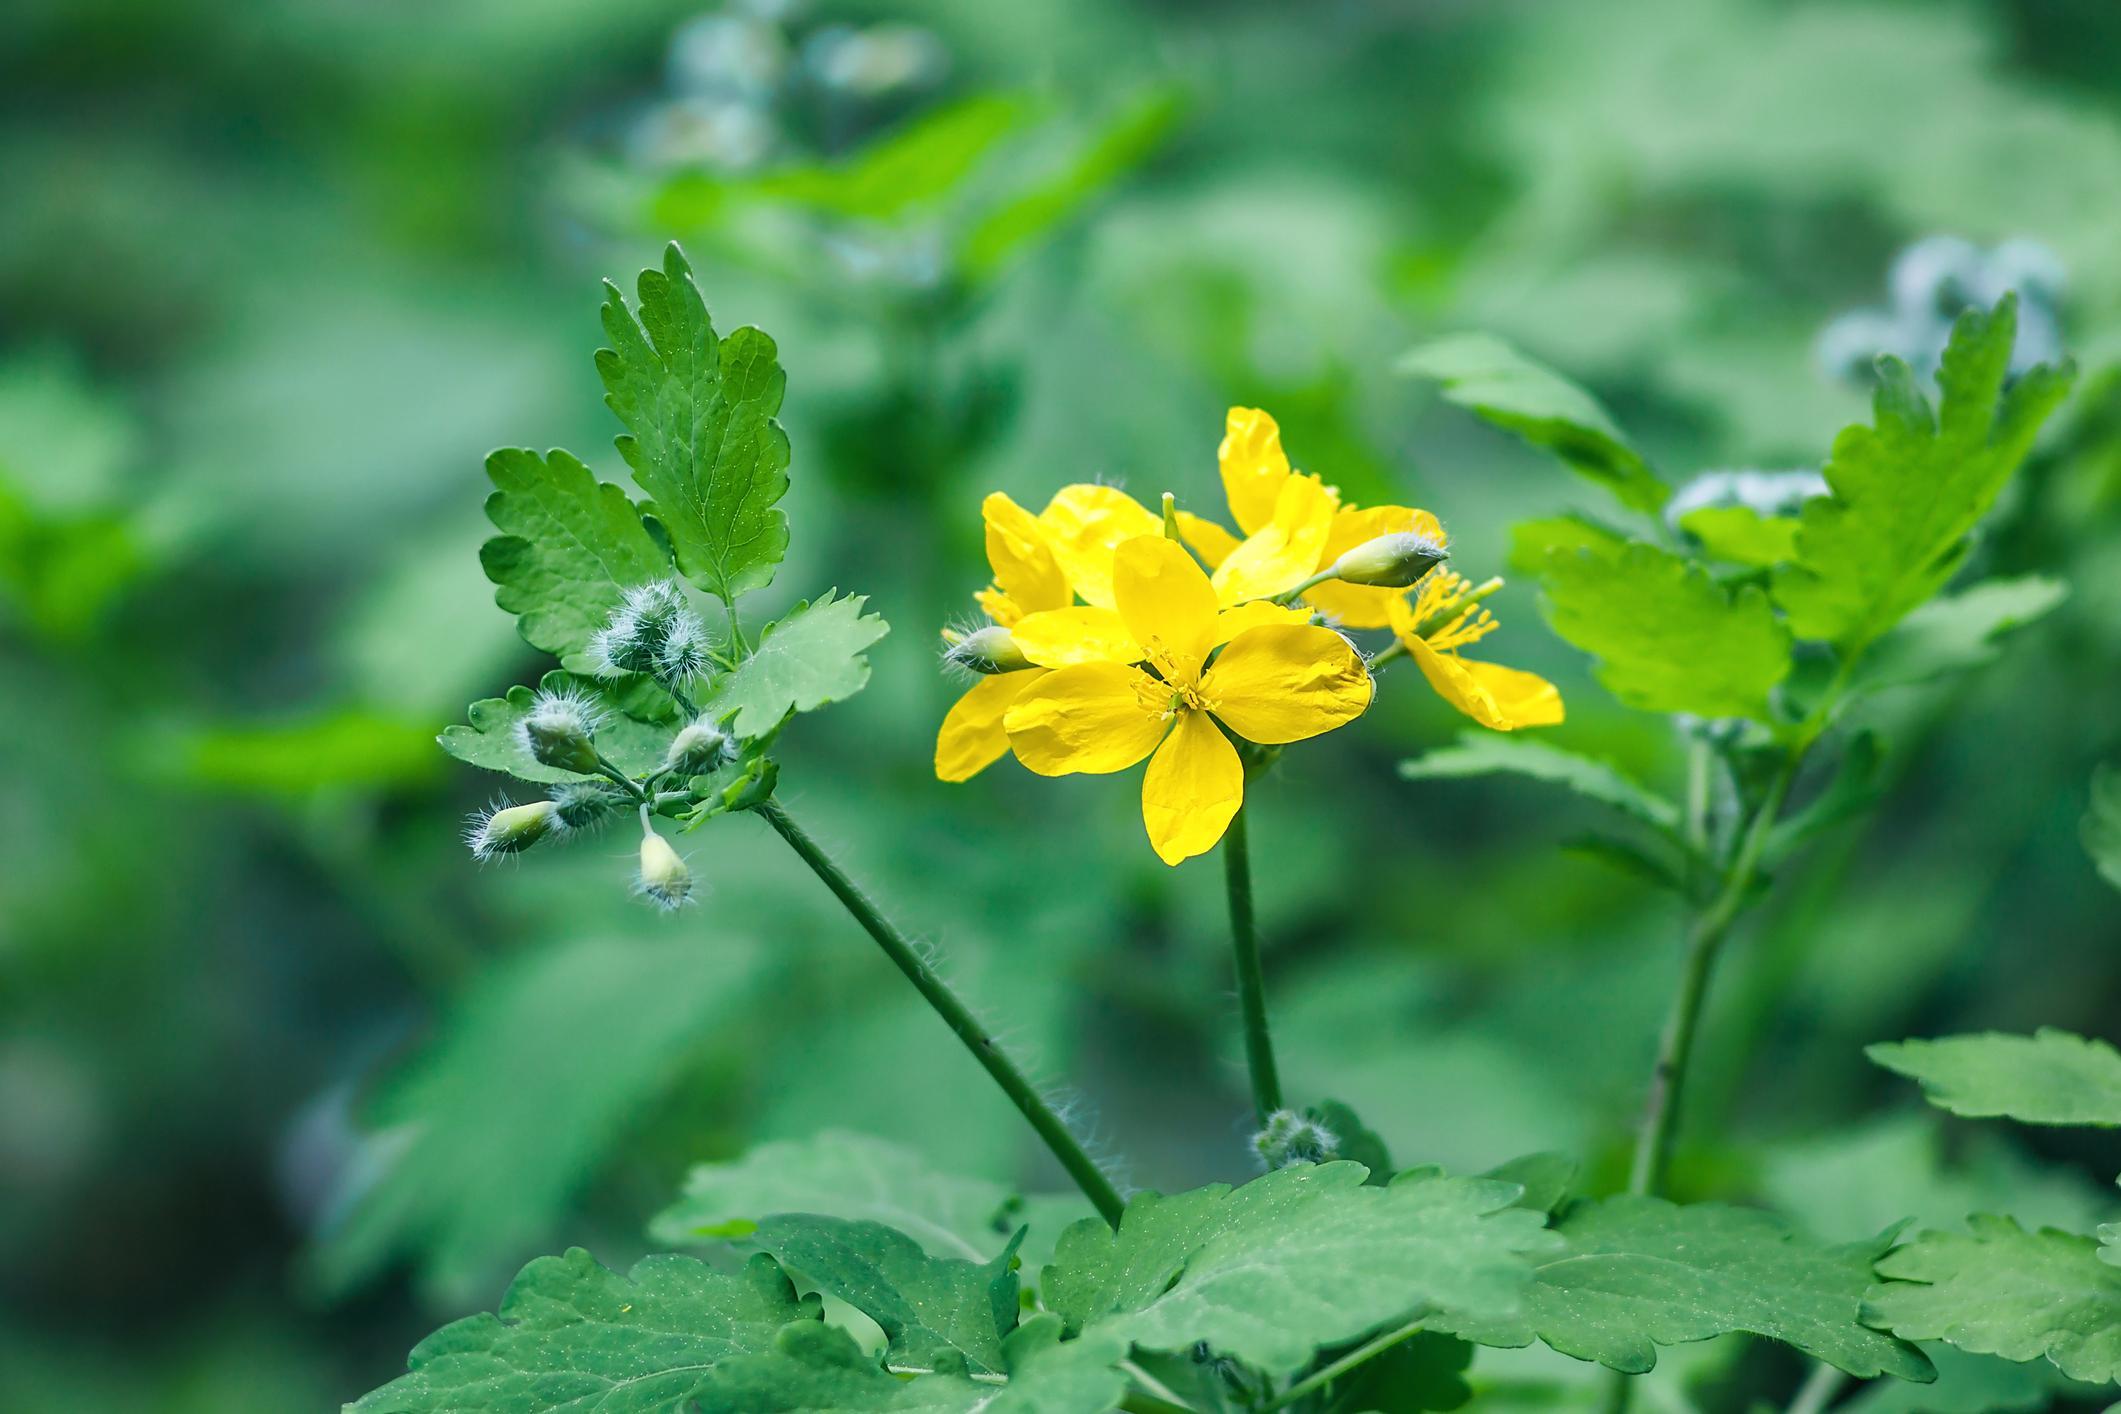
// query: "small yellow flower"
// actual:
[[1293, 526], [1272, 682], [1441, 616], [1040, 563]]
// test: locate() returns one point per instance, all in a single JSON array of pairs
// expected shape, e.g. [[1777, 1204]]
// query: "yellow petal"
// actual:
[[1365, 605], [1021, 554], [1168, 604], [1192, 789], [998, 606], [1253, 466], [1061, 638], [1287, 682], [1094, 717], [1209, 540], [1232, 622], [1502, 699], [1283, 553], [1399, 616], [972, 738], [1086, 524]]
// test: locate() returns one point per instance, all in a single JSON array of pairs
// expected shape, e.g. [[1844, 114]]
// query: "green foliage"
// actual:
[[1908, 488], [533, 1073], [1635, 1273], [1669, 638], [571, 1334], [1742, 535], [937, 1312], [1486, 753], [490, 741], [1957, 632], [2102, 824], [704, 443], [854, 1176], [810, 658], [2050, 1077], [1425, 1372], [1998, 1289], [1300, 1258], [568, 549], [1965, 1384], [1523, 396]]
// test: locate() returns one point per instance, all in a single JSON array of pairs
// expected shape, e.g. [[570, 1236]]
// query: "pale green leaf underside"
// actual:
[[2000, 1290], [1638, 1273], [490, 741], [812, 657], [931, 1308], [818, 1369], [855, 1176], [1486, 753], [569, 546], [1298, 1259], [2050, 1077], [1957, 632], [1668, 637], [1516, 393], [1908, 487], [704, 441], [2102, 824], [573, 1337]]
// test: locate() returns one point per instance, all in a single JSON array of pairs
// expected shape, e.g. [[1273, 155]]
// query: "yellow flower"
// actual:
[[1442, 616], [1040, 563], [1272, 682], [1294, 525]]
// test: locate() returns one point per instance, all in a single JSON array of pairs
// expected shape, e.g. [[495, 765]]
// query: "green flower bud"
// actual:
[[701, 746], [559, 731], [987, 650], [510, 829], [584, 804], [1390, 561], [664, 880], [1290, 1138]]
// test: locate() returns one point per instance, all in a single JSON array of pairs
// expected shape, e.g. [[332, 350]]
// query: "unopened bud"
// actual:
[[683, 651], [1290, 1138], [584, 804], [702, 746], [664, 880], [512, 828], [988, 650], [635, 637], [560, 731], [1390, 561]]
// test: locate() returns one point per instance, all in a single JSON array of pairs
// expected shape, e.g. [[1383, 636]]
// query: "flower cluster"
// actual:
[[1116, 635]]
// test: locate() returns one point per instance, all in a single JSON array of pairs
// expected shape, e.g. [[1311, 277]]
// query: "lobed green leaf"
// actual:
[[1956, 632], [1670, 638], [569, 547], [703, 439], [489, 741], [573, 1335], [2050, 1077], [2000, 1290], [812, 657], [1486, 753], [1907, 488], [1635, 1273]]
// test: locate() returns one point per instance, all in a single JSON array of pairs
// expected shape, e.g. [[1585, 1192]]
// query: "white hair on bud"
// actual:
[[683, 651], [503, 828]]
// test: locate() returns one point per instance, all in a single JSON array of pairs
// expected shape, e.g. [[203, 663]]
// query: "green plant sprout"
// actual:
[[841, 1272]]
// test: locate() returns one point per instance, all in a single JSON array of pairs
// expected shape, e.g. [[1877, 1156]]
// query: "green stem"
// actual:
[[1251, 987], [1361, 1355], [1818, 1391], [956, 1015]]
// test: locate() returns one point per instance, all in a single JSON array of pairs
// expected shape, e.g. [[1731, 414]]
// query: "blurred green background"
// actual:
[[285, 1081]]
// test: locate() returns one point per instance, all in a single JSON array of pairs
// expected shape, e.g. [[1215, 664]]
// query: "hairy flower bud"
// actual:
[[560, 732], [683, 652], [509, 829], [987, 650], [664, 879], [701, 746], [584, 804], [652, 631], [1290, 1138], [1390, 561]]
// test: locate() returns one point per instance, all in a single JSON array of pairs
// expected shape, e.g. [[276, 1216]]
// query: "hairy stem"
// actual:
[[1251, 987], [956, 1015], [1818, 1391]]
